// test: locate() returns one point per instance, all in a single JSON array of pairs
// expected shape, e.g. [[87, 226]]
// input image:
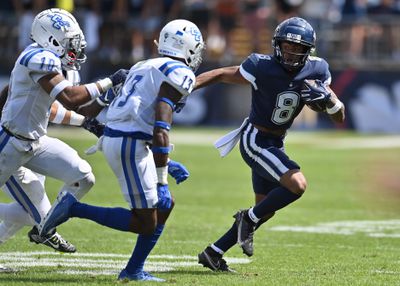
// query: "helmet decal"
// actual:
[[58, 21]]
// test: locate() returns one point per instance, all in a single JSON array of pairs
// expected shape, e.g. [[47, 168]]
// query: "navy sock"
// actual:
[[228, 240], [116, 218], [275, 200], [143, 247]]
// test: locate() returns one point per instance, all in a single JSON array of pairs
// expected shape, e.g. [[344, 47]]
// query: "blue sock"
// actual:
[[228, 240], [275, 200], [116, 218], [143, 247]]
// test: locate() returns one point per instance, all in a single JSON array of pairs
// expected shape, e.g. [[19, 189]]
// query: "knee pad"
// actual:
[[81, 187]]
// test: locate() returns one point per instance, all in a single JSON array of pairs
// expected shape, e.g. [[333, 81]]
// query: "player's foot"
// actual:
[[140, 276], [215, 262], [4, 269], [58, 214], [245, 232], [52, 239]]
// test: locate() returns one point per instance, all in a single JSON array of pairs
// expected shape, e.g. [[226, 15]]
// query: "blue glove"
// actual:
[[119, 76], [164, 197], [94, 126], [315, 93], [177, 171]]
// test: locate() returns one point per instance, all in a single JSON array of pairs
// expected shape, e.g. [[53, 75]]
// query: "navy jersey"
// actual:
[[276, 99]]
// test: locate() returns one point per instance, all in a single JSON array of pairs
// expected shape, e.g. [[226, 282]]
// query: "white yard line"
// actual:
[[202, 137], [106, 264]]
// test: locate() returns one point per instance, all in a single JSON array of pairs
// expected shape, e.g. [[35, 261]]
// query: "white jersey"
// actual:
[[27, 109], [134, 109]]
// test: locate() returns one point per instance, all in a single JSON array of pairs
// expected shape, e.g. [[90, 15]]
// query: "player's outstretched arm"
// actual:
[[74, 96], [225, 75]]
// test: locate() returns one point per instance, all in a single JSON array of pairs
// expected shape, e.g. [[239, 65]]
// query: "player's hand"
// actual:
[[177, 171], [315, 92], [164, 197], [107, 97], [94, 126], [119, 76]]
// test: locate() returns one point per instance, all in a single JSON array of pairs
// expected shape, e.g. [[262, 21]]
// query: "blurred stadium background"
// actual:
[[359, 38]]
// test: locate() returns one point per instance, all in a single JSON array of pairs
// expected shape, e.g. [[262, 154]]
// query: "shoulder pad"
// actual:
[[179, 75], [41, 60]]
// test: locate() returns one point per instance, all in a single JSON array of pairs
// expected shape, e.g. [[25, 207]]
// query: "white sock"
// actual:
[[252, 216], [14, 213], [216, 249]]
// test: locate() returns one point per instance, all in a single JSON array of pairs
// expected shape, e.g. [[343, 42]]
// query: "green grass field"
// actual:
[[345, 230]]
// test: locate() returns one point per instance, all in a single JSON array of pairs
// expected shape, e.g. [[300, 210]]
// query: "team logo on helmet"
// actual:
[[58, 21]]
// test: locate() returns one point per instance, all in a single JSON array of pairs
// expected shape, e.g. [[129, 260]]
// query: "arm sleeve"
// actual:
[[41, 63]]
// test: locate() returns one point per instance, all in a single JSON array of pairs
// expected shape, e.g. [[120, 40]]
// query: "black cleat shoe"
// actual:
[[53, 240], [214, 262], [245, 232]]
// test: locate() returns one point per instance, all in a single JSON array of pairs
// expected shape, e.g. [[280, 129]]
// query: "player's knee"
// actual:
[[299, 186], [84, 185]]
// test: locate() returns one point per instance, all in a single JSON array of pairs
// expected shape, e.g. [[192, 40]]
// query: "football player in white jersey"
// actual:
[[27, 187], [36, 82], [136, 145]]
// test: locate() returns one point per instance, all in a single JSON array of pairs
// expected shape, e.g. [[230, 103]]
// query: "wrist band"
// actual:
[[93, 90], [105, 83], [76, 119], [332, 110], [162, 175]]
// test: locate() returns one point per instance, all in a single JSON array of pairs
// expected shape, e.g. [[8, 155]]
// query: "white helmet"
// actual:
[[182, 39], [58, 31]]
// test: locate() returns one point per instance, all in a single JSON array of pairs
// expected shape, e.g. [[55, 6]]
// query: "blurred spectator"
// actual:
[[255, 14], [354, 13], [26, 11], [386, 34], [285, 9]]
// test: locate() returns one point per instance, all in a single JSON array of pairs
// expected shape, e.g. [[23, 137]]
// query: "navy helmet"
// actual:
[[294, 30]]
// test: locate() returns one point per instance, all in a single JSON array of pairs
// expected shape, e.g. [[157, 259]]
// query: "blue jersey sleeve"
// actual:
[[322, 68]]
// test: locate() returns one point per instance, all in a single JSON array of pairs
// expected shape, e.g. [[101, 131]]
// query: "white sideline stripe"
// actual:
[[379, 228]]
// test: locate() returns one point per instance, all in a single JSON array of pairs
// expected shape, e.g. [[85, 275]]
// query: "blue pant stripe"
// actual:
[[124, 159], [19, 195], [4, 137], [136, 175]]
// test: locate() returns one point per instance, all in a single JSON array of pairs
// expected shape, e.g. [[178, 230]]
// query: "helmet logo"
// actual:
[[196, 33], [58, 22], [293, 36]]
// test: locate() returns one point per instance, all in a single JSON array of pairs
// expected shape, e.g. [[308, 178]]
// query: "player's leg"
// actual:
[[265, 155], [58, 160], [27, 189], [211, 257]]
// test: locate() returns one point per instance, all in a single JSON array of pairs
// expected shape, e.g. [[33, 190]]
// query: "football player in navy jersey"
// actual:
[[281, 84]]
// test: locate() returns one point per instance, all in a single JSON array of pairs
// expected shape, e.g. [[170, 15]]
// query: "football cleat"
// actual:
[[245, 232], [4, 269], [58, 214], [140, 276], [53, 240], [214, 262]]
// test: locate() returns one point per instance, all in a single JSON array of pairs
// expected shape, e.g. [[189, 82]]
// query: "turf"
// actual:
[[344, 231]]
